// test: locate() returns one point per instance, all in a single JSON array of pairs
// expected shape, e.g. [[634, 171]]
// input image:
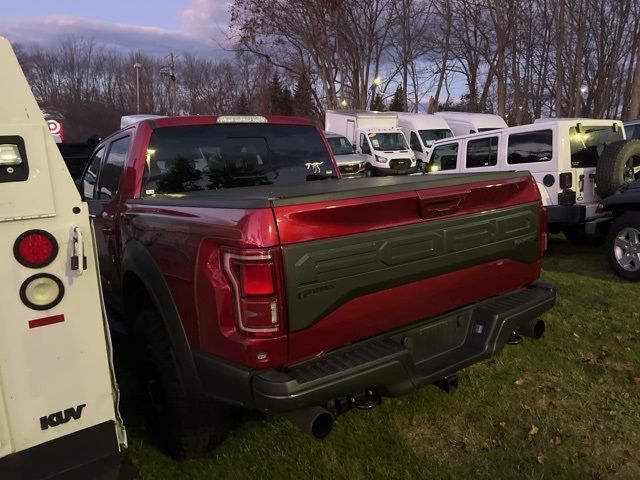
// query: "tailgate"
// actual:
[[357, 266]]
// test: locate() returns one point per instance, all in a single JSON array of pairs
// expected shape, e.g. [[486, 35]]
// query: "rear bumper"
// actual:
[[566, 214], [89, 453], [391, 364]]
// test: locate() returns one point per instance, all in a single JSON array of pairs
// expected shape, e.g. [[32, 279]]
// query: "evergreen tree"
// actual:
[[397, 102], [304, 104], [281, 99], [242, 105], [377, 103]]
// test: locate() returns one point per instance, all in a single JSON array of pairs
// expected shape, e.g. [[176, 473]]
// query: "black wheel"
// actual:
[[623, 246], [187, 426], [619, 164], [368, 171]]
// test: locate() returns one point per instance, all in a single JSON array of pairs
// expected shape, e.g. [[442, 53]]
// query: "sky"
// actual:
[[154, 27]]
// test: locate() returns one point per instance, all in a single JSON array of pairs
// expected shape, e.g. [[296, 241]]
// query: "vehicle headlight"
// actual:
[[381, 159]]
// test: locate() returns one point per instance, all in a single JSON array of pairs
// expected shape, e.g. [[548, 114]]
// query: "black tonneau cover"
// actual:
[[266, 196]]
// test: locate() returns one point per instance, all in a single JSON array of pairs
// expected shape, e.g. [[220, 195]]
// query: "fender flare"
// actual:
[[136, 259], [624, 200]]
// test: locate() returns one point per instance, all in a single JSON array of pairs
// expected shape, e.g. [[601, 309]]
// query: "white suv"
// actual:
[[567, 157]]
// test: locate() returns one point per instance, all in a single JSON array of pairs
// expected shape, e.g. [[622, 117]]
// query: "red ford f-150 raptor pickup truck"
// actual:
[[254, 279]]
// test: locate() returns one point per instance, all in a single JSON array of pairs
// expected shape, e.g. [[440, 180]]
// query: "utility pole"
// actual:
[[137, 66], [168, 70]]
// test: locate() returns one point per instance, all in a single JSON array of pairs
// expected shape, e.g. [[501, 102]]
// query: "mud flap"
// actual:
[[91, 453]]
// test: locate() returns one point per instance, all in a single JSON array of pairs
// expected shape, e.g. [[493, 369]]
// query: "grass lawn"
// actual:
[[567, 406]]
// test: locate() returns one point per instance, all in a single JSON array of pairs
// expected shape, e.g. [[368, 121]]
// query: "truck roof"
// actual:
[[468, 115], [423, 120], [363, 113], [588, 121], [179, 121], [531, 126]]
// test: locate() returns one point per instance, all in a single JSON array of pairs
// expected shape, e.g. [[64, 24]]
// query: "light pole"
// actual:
[[583, 98], [374, 84], [137, 66]]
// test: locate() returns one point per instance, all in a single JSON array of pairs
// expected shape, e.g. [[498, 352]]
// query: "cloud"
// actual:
[[207, 20], [48, 30]]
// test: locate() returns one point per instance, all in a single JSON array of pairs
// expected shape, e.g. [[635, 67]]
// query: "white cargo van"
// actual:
[[377, 136], [58, 396], [464, 123], [422, 129], [564, 155]]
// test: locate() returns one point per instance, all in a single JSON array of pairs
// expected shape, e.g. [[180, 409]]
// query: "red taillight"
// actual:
[[256, 278], [35, 248], [253, 278]]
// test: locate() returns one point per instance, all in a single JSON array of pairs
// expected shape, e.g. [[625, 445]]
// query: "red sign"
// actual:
[[54, 127]]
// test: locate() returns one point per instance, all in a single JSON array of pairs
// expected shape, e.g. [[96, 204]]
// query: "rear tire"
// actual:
[[187, 426], [623, 246], [619, 164]]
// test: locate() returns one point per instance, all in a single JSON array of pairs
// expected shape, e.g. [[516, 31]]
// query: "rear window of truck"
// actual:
[[211, 157]]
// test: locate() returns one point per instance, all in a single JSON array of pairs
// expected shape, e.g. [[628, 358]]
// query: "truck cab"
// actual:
[[422, 129], [465, 123], [378, 137]]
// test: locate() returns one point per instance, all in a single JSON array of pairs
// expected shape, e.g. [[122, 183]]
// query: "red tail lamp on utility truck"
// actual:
[[253, 278], [58, 396]]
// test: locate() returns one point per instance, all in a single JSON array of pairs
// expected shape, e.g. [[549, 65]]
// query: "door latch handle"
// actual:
[[107, 230], [78, 252]]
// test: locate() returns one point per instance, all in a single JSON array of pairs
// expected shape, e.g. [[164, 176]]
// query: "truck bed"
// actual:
[[360, 256]]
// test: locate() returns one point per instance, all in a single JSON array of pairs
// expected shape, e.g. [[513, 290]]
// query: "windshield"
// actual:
[[430, 136], [386, 141], [587, 146], [210, 157], [340, 145]]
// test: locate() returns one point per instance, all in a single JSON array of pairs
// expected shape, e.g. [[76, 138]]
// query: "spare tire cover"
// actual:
[[619, 163]]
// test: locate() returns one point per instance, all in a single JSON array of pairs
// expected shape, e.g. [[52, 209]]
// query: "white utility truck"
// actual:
[[422, 129], [464, 123], [575, 162], [58, 395], [377, 136]]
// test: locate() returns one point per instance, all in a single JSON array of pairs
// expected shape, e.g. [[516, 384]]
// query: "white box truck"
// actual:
[[464, 123], [58, 396], [422, 129], [377, 136]]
